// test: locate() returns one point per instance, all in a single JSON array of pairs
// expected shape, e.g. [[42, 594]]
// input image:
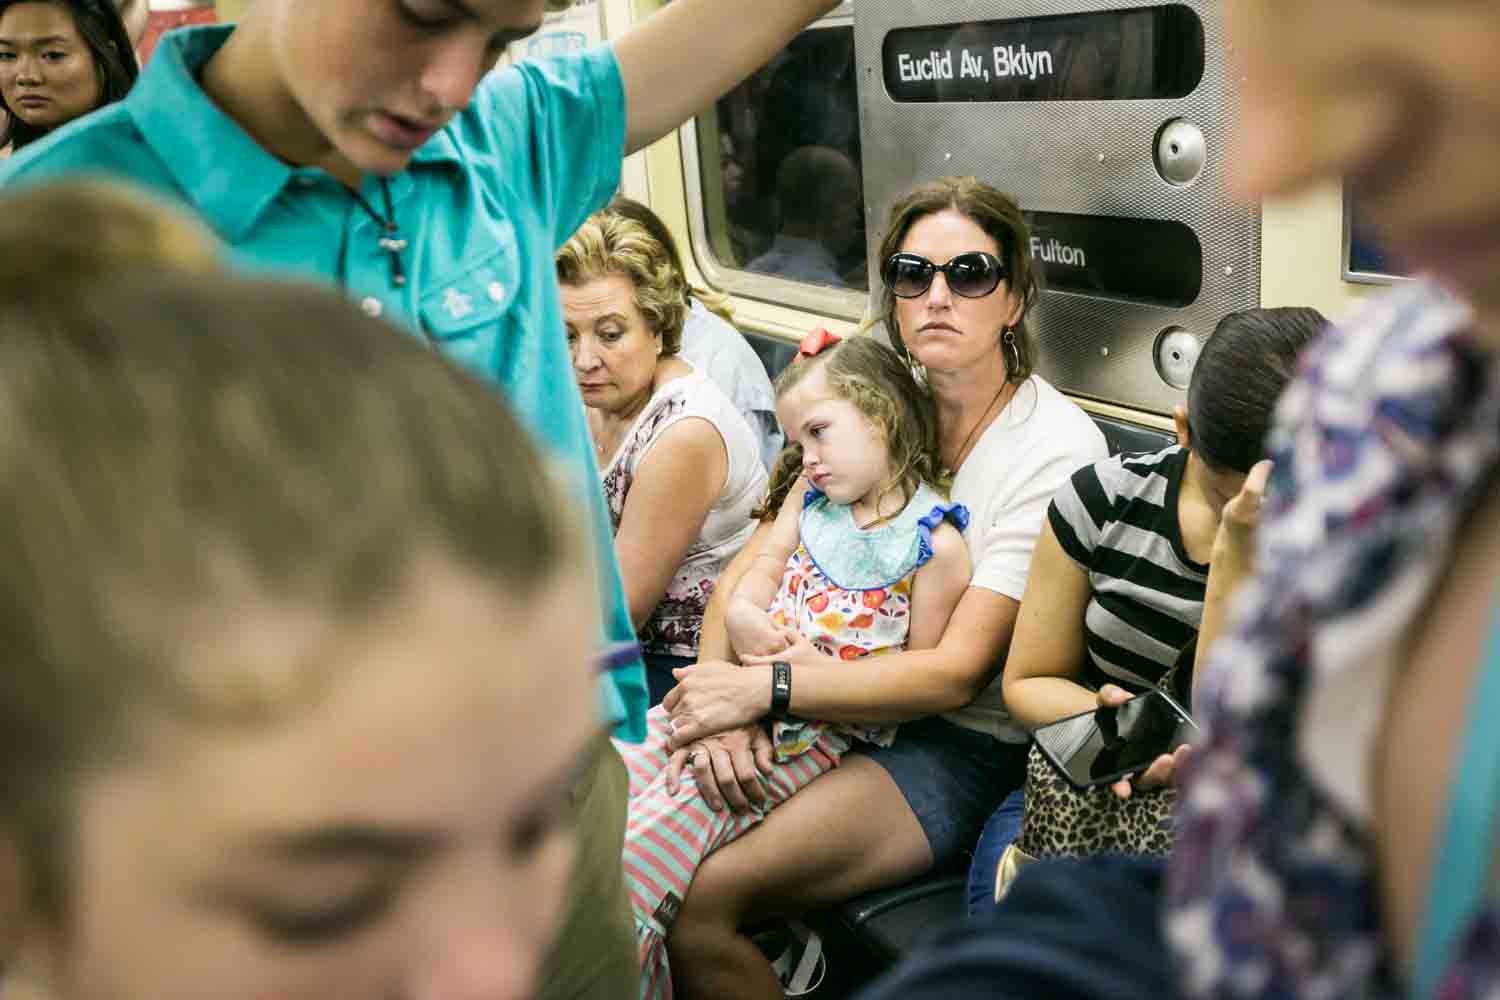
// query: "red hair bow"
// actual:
[[815, 343]]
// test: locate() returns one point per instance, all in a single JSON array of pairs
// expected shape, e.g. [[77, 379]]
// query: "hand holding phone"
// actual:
[[1114, 741]]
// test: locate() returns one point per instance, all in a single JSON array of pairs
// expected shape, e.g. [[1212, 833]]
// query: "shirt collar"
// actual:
[[230, 178], [439, 149]]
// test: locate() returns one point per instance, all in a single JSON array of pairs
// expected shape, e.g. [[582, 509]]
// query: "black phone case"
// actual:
[[1117, 775]]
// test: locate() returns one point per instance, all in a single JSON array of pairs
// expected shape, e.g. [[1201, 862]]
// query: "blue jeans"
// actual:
[[1069, 930], [952, 778], [1003, 827]]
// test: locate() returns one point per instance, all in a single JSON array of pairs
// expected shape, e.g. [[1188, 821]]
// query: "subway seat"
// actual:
[[888, 923]]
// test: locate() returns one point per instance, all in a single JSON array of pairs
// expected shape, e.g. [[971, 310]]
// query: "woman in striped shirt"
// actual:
[[1117, 584]]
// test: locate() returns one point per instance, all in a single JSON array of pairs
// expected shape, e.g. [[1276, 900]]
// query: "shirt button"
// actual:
[[496, 291], [306, 182], [372, 307]]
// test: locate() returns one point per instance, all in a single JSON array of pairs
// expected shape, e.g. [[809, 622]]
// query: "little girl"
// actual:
[[867, 559]]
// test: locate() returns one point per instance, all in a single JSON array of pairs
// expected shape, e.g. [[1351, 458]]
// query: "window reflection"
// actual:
[[788, 170]]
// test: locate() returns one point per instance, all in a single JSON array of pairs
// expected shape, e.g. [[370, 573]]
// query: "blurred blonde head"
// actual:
[[73, 232], [272, 571]]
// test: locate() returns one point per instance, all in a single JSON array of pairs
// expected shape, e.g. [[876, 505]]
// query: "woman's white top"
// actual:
[[675, 624], [1019, 463]]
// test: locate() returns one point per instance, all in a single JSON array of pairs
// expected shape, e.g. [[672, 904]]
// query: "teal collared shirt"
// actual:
[[483, 207]]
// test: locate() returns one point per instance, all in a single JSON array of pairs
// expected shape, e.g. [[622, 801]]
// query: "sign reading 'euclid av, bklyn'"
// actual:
[[1141, 54]]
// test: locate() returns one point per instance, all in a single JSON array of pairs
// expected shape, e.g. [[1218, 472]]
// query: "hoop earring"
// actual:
[[1008, 340], [917, 369]]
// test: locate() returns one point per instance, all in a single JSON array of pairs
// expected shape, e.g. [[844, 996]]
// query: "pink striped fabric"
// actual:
[[668, 836]]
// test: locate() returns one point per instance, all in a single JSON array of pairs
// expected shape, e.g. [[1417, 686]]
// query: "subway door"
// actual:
[[1109, 121]]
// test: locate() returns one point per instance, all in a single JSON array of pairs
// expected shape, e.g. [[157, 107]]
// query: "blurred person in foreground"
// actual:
[[266, 731], [72, 233], [373, 145]]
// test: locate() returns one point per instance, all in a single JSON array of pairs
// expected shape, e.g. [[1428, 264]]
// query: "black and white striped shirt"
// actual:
[[1117, 519]]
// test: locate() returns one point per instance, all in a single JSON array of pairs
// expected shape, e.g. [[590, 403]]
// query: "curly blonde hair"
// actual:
[[880, 384], [715, 302], [609, 244]]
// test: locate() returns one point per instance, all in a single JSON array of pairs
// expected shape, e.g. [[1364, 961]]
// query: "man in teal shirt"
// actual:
[[365, 142]]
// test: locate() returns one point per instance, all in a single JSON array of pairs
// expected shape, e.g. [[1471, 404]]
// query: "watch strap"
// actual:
[[781, 689]]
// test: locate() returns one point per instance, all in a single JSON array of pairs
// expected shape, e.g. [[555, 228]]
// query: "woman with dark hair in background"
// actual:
[[59, 60]]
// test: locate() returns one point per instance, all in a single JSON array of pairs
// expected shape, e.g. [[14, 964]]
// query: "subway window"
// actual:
[[779, 176]]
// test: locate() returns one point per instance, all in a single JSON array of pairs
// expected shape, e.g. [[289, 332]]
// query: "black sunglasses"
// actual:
[[973, 275]]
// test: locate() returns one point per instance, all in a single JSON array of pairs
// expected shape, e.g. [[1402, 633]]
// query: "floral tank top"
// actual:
[[848, 591], [677, 619]]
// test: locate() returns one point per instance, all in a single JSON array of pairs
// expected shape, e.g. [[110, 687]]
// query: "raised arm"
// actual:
[[1231, 563], [1041, 682], [675, 486], [689, 53]]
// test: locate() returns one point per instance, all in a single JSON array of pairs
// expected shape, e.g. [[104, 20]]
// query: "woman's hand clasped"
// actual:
[[1162, 769], [727, 768], [715, 697]]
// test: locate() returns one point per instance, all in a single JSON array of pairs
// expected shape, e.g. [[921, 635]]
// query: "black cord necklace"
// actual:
[[963, 449], [390, 238]]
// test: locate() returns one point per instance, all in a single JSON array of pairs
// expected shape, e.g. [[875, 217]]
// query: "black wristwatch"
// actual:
[[781, 689]]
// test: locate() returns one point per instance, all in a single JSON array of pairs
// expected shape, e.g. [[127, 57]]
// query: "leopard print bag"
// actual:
[[1061, 821]]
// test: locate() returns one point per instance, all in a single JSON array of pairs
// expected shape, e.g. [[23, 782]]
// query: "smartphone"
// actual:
[[1102, 746]]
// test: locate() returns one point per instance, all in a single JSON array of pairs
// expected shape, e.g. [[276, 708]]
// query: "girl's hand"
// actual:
[[751, 630], [1160, 773], [798, 651]]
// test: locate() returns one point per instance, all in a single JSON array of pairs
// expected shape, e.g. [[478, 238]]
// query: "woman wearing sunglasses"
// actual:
[[958, 287]]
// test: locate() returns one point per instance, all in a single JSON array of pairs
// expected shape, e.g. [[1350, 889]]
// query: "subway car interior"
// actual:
[[1110, 122]]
